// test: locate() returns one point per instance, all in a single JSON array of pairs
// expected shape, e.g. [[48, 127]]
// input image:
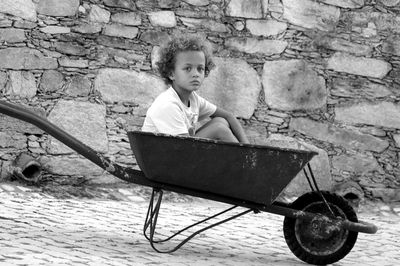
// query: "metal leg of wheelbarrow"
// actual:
[[152, 216], [314, 184]]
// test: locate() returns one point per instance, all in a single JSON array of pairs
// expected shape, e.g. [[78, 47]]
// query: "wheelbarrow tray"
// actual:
[[254, 173]]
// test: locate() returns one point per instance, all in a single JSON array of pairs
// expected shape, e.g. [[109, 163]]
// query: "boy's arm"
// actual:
[[235, 125]]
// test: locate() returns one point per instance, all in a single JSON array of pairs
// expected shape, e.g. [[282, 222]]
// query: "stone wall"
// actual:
[[324, 73]]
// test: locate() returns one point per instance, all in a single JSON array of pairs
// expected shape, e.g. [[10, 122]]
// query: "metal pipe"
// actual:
[[331, 222], [18, 112], [25, 167]]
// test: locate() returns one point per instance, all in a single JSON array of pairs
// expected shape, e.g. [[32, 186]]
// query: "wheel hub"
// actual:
[[317, 239], [321, 227], [320, 236]]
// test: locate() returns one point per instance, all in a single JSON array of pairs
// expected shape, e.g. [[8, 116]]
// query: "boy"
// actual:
[[184, 63]]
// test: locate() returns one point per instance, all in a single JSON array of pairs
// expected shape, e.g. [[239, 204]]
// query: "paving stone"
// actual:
[[7, 188], [79, 231]]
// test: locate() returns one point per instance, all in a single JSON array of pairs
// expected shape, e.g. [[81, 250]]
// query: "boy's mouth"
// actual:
[[195, 82]]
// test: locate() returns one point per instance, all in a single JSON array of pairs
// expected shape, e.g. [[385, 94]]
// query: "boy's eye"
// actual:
[[188, 69], [200, 69]]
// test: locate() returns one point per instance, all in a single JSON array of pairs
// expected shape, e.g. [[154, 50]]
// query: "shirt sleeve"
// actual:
[[169, 119], [206, 109]]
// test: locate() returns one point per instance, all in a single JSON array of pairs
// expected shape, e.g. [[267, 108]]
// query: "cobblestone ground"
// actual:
[[38, 228]]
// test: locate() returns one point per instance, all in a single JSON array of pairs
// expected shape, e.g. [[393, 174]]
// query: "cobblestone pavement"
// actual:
[[40, 229]]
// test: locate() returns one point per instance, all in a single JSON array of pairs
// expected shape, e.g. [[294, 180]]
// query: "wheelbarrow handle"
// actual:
[[360, 226], [334, 222], [18, 112]]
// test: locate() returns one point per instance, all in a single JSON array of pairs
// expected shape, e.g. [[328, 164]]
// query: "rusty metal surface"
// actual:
[[250, 172]]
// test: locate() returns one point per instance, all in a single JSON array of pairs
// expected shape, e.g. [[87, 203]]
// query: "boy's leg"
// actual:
[[217, 128]]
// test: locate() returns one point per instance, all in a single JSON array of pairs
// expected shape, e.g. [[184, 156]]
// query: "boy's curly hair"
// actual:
[[182, 43]]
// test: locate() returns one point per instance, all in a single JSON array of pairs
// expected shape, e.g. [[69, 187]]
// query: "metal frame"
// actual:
[[152, 218], [314, 182], [279, 208]]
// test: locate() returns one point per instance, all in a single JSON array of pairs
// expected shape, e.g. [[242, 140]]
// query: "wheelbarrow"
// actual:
[[319, 227]]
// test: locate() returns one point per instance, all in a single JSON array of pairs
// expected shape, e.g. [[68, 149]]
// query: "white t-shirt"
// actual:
[[169, 115]]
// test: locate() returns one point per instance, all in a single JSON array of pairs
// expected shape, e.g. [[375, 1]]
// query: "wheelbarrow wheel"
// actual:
[[313, 241]]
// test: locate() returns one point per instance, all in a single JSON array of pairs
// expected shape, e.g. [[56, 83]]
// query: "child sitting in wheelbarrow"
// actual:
[[184, 63]]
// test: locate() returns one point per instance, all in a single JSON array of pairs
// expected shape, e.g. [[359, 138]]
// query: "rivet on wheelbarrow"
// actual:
[[25, 167]]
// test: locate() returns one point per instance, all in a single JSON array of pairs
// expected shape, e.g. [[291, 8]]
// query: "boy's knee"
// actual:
[[218, 128], [220, 121], [223, 130]]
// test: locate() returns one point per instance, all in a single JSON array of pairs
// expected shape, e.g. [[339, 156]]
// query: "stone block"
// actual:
[[55, 30], [347, 138], [22, 84], [10, 139], [20, 8], [198, 2], [319, 165], [233, 85], [155, 37], [268, 27], [118, 30], [12, 35], [396, 138], [256, 133], [163, 19], [51, 81], [78, 86], [389, 3], [356, 163], [87, 28], [358, 89], [8, 123], [244, 9], [293, 85], [120, 85], [386, 194], [99, 15], [25, 58], [253, 46], [84, 121], [58, 8], [66, 166], [362, 66], [383, 114], [70, 48], [24, 24], [125, 4], [3, 80], [392, 45], [311, 14], [351, 191], [76, 63], [342, 45], [206, 23], [127, 18], [5, 170], [345, 3]]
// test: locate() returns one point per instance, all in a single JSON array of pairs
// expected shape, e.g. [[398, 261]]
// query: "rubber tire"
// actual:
[[289, 228]]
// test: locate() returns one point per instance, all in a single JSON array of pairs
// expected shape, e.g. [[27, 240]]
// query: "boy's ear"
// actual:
[[171, 76]]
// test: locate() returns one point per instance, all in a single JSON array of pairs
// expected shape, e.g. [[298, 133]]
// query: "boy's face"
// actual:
[[188, 74]]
